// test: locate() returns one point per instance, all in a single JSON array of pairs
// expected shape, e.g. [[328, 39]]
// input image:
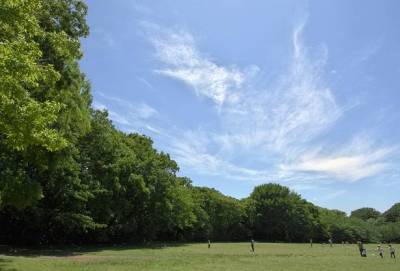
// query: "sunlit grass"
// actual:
[[221, 256]]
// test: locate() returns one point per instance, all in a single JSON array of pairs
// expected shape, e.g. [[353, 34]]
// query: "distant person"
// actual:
[[209, 243], [330, 242], [310, 242], [364, 253], [361, 248], [252, 245], [380, 251], [392, 252]]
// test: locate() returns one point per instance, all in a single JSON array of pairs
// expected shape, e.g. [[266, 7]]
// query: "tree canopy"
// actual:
[[365, 213], [393, 214], [67, 175]]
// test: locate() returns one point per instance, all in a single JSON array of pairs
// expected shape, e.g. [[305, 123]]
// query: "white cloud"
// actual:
[[153, 129], [133, 117], [145, 82], [178, 51], [335, 194], [115, 117], [99, 106], [275, 127], [143, 110], [190, 149], [281, 118], [354, 162], [351, 168], [139, 110]]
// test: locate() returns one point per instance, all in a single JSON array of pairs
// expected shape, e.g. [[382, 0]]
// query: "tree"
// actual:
[[137, 195], [365, 213], [277, 214], [393, 214], [219, 217], [44, 111], [24, 120], [67, 175], [44, 99]]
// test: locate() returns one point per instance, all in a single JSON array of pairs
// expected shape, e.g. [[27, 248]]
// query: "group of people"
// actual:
[[362, 249], [330, 242], [251, 244], [379, 249]]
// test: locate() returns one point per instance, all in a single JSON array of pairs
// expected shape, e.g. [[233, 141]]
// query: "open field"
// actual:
[[221, 256]]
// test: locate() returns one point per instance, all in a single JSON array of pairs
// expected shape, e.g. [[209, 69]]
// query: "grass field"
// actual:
[[187, 257]]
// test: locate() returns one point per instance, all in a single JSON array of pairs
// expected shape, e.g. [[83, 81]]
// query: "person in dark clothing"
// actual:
[[209, 243], [252, 245], [392, 252], [363, 252]]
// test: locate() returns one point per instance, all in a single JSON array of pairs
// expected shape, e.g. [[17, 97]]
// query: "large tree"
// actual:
[[278, 214], [393, 214], [365, 213], [219, 217], [25, 120], [44, 98]]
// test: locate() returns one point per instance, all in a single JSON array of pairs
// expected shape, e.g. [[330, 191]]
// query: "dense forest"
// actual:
[[68, 176]]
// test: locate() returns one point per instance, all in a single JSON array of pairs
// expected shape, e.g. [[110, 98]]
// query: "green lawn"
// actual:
[[221, 256]]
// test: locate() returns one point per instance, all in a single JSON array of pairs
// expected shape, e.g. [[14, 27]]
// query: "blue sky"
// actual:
[[302, 93]]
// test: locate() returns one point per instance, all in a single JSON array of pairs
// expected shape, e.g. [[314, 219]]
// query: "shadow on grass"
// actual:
[[66, 251], [3, 265]]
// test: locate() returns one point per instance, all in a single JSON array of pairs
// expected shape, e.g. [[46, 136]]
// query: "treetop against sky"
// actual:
[[303, 93]]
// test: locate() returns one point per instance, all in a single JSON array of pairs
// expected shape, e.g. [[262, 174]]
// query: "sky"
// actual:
[[301, 93]]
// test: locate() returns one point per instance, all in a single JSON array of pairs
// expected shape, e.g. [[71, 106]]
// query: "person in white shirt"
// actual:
[[380, 251]]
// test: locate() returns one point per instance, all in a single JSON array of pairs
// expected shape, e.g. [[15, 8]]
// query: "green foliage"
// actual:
[[393, 214], [390, 232], [349, 229], [277, 214], [44, 98], [218, 217], [67, 175], [365, 213], [25, 121]]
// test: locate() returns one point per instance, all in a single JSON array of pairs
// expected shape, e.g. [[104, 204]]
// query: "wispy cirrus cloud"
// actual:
[[293, 110], [349, 163], [267, 131], [192, 150], [183, 61], [132, 116], [114, 116], [139, 110]]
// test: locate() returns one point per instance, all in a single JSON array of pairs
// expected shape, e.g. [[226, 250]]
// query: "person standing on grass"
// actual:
[[209, 243], [380, 251], [360, 248], [330, 242], [252, 245], [392, 252], [310, 242], [364, 253]]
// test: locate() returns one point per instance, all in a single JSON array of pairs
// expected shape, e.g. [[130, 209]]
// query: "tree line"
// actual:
[[68, 176]]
